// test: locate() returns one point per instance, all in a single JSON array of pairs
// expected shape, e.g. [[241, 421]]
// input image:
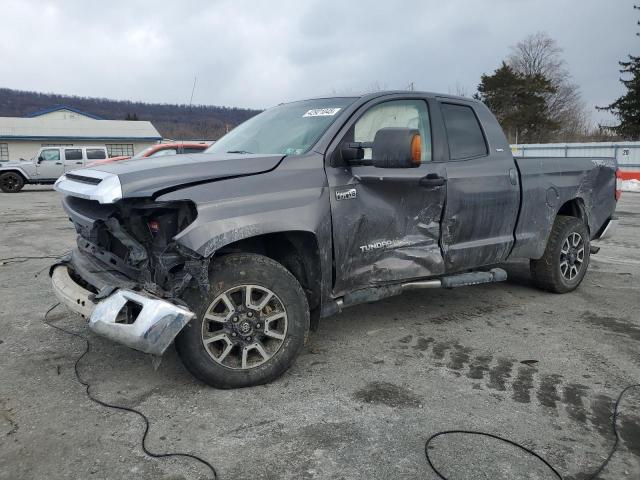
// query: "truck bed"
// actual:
[[548, 186]]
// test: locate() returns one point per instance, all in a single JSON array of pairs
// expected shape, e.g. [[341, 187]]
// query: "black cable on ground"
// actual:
[[25, 258], [482, 434], [87, 387], [593, 476], [20, 259]]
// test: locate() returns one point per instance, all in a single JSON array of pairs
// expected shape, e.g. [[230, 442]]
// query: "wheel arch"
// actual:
[[531, 243], [574, 208], [16, 170], [298, 251]]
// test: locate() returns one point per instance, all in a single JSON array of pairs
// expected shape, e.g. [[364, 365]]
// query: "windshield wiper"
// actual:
[[238, 151]]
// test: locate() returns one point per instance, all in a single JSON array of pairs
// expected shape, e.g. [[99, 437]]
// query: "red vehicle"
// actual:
[[159, 150]]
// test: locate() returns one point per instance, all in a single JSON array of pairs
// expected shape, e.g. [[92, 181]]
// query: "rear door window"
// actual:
[[96, 154], [464, 133], [193, 150], [73, 154]]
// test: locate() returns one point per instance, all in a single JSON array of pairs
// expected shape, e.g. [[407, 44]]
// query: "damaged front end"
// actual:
[[135, 238], [127, 274]]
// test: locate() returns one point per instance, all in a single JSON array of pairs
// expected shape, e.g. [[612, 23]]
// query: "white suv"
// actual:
[[49, 164]]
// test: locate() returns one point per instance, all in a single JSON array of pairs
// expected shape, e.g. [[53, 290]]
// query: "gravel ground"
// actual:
[[373, 384]]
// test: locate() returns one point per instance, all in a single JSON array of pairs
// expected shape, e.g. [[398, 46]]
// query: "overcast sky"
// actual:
[[257, 54]]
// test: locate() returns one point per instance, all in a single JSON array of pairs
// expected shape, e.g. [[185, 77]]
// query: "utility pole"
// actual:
[[193, 90]]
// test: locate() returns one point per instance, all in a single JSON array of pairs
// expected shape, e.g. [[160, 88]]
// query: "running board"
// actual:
[[460, 280], [374, 294]]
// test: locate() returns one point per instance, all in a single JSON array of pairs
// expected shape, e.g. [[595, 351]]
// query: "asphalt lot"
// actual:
[[373, 384]]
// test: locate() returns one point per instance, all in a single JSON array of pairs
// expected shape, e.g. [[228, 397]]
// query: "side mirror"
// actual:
[[351, 153], [397, 148], [40, 158], [392, 147]]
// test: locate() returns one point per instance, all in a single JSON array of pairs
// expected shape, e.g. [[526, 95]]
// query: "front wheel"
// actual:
[[11, 182], [251, 326], [566, 257]]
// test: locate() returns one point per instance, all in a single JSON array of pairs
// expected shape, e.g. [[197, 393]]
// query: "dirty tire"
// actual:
[[228, 273], [11, 182], [547, 272]]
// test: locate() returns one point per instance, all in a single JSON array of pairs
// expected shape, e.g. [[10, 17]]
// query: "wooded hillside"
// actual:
[[172, 121]]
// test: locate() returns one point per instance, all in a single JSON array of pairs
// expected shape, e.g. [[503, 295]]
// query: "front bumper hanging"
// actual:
[[140, 321]]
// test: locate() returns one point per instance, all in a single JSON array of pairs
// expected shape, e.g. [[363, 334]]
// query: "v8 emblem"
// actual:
[[346, 194]]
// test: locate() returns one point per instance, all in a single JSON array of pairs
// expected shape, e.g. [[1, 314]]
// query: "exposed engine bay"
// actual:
[[135, 238]]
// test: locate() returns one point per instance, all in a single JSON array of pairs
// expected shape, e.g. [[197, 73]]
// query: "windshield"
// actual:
[[289, 129]]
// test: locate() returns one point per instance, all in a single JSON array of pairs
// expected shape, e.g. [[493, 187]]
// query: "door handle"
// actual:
[[58, 163], [432, 180], [78, 163]]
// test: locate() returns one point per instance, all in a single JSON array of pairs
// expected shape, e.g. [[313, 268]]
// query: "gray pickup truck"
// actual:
[[311, 207]]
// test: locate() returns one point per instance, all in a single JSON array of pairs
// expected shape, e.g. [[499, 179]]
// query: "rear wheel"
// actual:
[[251, 326], [11, 182], [566, 257]]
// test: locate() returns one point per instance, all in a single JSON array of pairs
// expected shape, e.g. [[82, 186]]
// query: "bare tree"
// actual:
[[459, 90], [375, 86], [539, 54]]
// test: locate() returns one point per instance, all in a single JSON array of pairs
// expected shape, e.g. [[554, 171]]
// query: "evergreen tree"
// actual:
[[627, 108], [520, 103]]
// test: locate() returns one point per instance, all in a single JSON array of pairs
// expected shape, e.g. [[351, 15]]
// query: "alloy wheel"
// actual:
[[10, 183], [244, 327], [572, 256]]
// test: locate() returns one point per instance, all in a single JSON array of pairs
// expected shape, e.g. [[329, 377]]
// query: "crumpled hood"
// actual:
[[146, 177]]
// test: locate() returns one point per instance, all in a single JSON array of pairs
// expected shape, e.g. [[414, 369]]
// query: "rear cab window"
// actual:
[[193, 150], [164, 152], [464, 132]]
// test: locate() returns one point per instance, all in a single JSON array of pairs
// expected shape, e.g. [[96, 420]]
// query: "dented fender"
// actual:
[[292, 198]]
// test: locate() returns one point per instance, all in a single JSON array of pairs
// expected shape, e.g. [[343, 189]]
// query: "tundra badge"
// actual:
[[346, 194]]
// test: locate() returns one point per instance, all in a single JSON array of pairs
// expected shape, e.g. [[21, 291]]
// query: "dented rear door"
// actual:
[[386, 225], [483, 191]]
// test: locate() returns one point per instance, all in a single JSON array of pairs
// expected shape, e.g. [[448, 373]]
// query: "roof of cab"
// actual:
[[383, 93]]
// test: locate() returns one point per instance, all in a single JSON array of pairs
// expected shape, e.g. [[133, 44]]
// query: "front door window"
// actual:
[[399, 113], [50, 155]]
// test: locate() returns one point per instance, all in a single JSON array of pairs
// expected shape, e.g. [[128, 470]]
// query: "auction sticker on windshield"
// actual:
[[321, 112]]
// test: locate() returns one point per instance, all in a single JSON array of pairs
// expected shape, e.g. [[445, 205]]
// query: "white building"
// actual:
[[67, 126]]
